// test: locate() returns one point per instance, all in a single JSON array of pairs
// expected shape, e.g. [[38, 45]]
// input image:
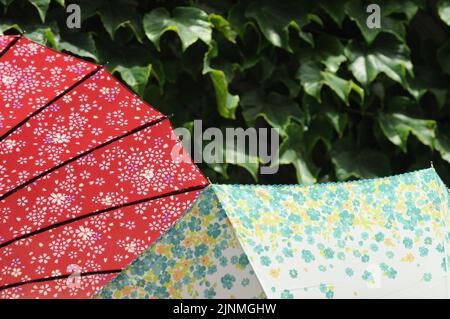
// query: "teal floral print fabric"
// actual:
[[378, 238], [199, 257]]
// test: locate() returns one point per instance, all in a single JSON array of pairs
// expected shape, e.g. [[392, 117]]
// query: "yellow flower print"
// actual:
[[348, 206], [173, 292], [409, 258], [127, 290], [195, 211], [388, 242], [264, 195], [163, 249], [205, 260], [206, 239], [275, 272], [437, 228], [241, 203], [259, 233], [188, 241], [291, 206], [401, 207], [177, 274]]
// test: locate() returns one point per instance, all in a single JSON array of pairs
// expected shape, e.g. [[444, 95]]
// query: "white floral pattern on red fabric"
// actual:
[[107, 241], [5, 41], [31, 75], [93, 113], [133, 168], [59, 288]]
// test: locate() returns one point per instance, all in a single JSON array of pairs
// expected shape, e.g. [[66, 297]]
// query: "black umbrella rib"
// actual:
[[70, 88], [102, 211], [139, 128], [22, 283], [9, 46]]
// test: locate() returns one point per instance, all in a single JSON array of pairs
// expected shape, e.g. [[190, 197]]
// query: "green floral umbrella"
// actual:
[[379, 238]]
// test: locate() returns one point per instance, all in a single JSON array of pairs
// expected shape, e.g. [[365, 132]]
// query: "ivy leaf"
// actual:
[[136, 77], [237, 19], [397, 127], [117, 17], [114, 15], [42, 34], [385, 56], [329, 108], [360, 163], [276, 109], [134, 72], [251, 164], [235, 154], [407, 7], [41, 6], [5, 26], [313, 78], [223, 26], [294, 151], [443, 9], [275, 17], [226, 102], [191, 24], [356, 10], [79, 44], [318, 130], [335, 9], [442, 143], [330, 52]]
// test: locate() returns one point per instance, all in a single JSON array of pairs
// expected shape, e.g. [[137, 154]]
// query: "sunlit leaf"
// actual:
[[293, 151], [191, 24], [275, 17], [226, 102], [385, 56], [41, 6], [397, 127], [443, 9]]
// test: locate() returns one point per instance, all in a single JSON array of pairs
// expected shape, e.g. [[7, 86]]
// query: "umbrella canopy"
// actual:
[[6, 41], [89, 177], [96, 112], [380, 238], [32, 76]]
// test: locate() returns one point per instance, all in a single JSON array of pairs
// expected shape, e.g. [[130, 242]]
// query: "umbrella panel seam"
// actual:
[[73, 159], [9, 46], [56, 98], [98, 212], [84, 274]]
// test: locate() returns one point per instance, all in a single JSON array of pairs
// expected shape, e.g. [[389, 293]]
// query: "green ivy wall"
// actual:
[[350, 102]]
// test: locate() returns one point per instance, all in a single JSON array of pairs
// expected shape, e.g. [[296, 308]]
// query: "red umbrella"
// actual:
[[31, 77], [88, 176], [6, 41], [97, 111]]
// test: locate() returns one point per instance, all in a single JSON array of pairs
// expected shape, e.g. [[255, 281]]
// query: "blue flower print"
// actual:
[[228, 281], [307, 256], [265, 261], [286, 294]]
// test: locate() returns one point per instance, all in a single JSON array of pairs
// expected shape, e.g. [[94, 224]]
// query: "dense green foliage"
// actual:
[[350, 102]]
